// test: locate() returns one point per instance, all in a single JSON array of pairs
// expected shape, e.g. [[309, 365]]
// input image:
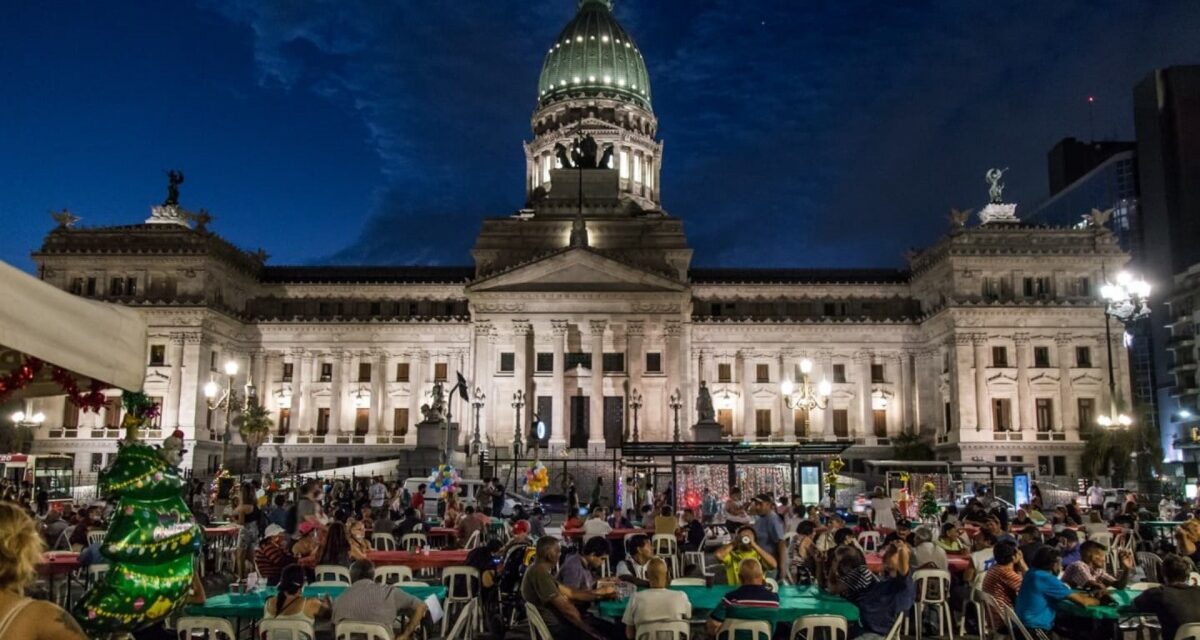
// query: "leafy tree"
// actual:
[[254, 425], [1109, 452], [910, 446]]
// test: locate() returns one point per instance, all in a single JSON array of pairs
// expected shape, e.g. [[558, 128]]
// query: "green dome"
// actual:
[[594, 56]]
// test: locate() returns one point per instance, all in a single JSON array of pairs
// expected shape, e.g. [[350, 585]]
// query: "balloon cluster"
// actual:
[[537, 478], [444, 480], [831, 477]]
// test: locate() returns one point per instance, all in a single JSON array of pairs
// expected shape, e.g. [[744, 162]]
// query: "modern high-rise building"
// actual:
[[1167, 121], [1071, 159]]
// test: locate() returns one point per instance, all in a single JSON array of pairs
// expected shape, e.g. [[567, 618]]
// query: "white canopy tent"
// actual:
[[91, 339]]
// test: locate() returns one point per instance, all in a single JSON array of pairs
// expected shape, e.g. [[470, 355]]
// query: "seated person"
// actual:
[[1003, 580], [556, 601], [691, 533], [994, 527], [1176, 603], [309, 540], [486, 560], [803, 553], [469, 524], [272, 554], [405, 526], [926, 554], [577, 570], [665, 522], [573, 522], [383, 523], [1022, 519], [879, 599], [657, 603], [289, 602], [368, 601], [1029, 541], [596, 526], [950, 541], [753, 594], [825, 541], [633, 568], [1067, 544], [1088, 572], [1041, 589], [745, 546], [537, 523]]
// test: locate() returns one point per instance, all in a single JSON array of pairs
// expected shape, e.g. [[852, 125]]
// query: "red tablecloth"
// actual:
[[441, 531], [58, 563], [212, 532], [433, 560], [956, 564], [615, 534]]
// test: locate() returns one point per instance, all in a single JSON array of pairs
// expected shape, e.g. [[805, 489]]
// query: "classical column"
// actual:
[[906, 362], [1066, 404], [170, 408], [982, 397], [378, 391], [558, 427], [866, 414], [191, 396], [302, 366], [787, 420], [522, 330], [676, 363], [749, 426], [418, 363], [1025, 420], [820, 422], [636, 360], [596, 402]]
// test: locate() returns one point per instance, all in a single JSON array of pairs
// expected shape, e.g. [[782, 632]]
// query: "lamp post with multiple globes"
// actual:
[[477, 399], [635, 403], [518, 401], [225, 398], [804, 394], [1126, 300], [676, 403]]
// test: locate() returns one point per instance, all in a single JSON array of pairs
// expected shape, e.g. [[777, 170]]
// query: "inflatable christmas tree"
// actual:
[[929, 505], [151, 539]]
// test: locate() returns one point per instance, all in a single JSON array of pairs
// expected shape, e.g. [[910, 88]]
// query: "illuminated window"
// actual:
[[624, 164], [607, 79], [546, 169], [637, 169]]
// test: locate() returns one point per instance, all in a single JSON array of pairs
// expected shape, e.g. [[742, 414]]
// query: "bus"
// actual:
[[50, 473]]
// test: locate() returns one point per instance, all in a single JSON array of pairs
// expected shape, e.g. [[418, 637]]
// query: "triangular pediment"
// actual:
[[576, 269]]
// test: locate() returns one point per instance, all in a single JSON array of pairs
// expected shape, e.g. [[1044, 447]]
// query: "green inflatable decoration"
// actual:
[[151, 539]]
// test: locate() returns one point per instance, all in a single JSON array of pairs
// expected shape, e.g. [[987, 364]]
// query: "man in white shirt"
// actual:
[[926, 554], [1095, 496], [596, 525], [656, 604], [378, 494]]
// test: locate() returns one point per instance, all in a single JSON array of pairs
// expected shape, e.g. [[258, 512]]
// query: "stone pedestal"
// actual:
[[167, 214], [432, 435], [707, 431], [996, 212]]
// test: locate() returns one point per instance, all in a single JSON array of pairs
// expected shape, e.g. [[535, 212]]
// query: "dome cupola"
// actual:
[[594, 56]]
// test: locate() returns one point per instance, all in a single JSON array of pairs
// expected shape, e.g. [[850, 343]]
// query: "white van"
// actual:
[[468, 490]]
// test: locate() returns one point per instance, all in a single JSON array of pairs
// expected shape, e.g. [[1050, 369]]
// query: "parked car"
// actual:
[[554, 504]]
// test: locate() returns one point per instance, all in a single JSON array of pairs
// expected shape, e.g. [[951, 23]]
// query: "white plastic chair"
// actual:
[[211, 628], [1015, 626], [393, 574], [688, 582], [1150, 564], [667, 630], [933, 590], [696, 558], [469, 613], [270, 629], [1189, 631], [410, 583], [332, 573], [666, 547], [772, 584], [1105, 539], [1194, 579], [807, 627], [870, 541], [95, 535], [894, 632], [383, 542], [96, 573], [758, 629], [472, 540], [462, 588], [412, 542], [537, 626], [346, 630]]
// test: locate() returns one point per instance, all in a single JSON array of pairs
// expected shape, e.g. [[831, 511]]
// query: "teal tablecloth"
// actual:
[[794, 601], [1121, 607], [250, 605]]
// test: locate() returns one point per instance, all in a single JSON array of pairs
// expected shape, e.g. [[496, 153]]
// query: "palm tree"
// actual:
[[1109, 452], [254, 424]]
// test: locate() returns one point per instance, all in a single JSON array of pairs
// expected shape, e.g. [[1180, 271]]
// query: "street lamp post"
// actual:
[[804, 394], [477, 400], [28, 419], [1126, 301], [635, 403], [225, 398], [517, 402], [676, 402]]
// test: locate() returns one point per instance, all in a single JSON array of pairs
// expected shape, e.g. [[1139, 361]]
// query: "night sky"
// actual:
[[798, 133]]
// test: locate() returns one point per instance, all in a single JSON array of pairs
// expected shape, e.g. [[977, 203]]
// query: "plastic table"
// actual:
[[794, 601]]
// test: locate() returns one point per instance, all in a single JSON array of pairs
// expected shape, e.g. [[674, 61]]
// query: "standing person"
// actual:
[[377, 494], [1176, 602], [308, 507], [418, 501], [629, 495], [572, 499], [248, 515], [596, 490], [21, 553], [735, 511], [484, 500], [499, 493], [1095, 496], [882, 508], [709, 506], [768, 527]]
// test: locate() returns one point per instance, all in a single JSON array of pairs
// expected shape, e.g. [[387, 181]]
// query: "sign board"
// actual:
[[1021, 493], [810, 483]]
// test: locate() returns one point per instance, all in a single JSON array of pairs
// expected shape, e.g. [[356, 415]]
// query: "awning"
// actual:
[[91, 339]]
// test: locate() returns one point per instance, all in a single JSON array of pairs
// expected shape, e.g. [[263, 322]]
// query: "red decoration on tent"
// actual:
[[90, 400]]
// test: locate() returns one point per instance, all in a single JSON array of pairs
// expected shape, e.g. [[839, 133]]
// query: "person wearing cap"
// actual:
[[768, 526], [308, 541], [272, 555]]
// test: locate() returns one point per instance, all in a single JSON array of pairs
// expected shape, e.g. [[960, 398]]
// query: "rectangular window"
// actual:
[[653, 363], [762, 423], [624, 165], [91, 286], [614, 363], [637, 168], [400, 421], [841, 423], [76, 286], [156, 423], [287, 372], [131, 286], [1086, 408], [376, 308], [116, 287], [158, 355], [1045, 414], [1000, 357], [724, 372], [212, 360], [439, 371], [322, 421], [577, 359], [508, 362], [1001, 414], [1041, 357], [112, 413], [947, 417], [364, 372], [877, 373], [800, 422], [725, 417], [762, 373], [326, 372], [401, 372], [97, 461], [839, 373], [362, 421], [1001, 471], [1060, 465], [284, 421], [879, 422], [545, 362], [70, 415], [1083, 357]]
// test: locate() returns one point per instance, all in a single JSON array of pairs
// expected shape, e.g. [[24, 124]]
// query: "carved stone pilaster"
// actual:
[[559, 327], [635, 328], [597, 327]]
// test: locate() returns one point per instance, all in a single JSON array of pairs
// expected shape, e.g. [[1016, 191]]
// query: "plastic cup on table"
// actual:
[[708, 581]]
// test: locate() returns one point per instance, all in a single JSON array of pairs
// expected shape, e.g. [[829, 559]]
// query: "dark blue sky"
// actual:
[[797, 133]]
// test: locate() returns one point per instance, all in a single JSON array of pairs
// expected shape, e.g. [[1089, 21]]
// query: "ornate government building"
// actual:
[[990, 345]]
